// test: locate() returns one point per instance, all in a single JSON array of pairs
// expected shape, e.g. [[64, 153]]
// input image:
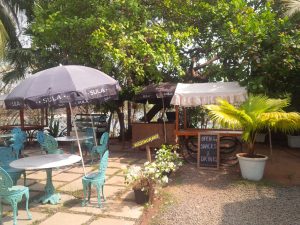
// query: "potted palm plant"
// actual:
[[257, 113]]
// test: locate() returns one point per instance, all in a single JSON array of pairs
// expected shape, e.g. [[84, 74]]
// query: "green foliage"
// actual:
[[140, 42], [167, 161], [257, 113], [53, 127]]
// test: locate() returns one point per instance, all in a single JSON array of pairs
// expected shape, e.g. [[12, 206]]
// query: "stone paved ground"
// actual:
[[119, 208]]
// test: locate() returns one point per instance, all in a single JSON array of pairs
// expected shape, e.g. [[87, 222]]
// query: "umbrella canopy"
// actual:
[[190, 95], [154, 92], [58, 86], [63, 86]]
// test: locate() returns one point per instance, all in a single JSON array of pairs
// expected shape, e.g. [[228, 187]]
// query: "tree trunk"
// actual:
[[129, 117], [122, 124], [109, 121]]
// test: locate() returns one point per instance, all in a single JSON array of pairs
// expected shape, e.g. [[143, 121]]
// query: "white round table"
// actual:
[[72, 139], [46, 162]]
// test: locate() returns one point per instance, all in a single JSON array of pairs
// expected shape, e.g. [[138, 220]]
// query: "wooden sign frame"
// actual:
[[217, 148], [145, 141]]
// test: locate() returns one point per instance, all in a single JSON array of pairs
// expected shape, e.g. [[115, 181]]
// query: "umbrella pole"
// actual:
[[78, 142], [94, 132]]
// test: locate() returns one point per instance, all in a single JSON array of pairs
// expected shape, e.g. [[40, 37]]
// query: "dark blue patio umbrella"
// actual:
[[63, 86]]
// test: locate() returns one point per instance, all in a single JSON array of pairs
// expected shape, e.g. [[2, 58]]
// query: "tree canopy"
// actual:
[[140, 42]]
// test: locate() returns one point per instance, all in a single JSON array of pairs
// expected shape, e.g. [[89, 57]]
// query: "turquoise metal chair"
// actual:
[[12, 195], [40, 137], [51, 145], [18, 140], [89, 143], [102, 147], [6, 157], [98, 178]]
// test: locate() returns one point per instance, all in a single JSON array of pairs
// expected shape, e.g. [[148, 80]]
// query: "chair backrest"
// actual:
[[40, 137], [6, 156], [50, 144], [104, 139], [5, 181], [16, 130], [103, 164], [18, 140], [103, 144], [89, 132]]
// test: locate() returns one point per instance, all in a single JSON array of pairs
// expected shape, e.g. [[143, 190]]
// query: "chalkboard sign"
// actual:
[[208, 150]]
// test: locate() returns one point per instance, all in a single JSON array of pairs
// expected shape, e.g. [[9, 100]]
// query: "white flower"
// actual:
[[165, 179]]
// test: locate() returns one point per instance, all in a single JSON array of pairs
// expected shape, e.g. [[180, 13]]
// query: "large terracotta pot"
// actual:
[[252, 168]]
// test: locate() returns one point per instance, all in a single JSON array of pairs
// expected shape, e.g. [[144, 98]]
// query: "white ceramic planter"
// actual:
[[294, 141], [252, 168]]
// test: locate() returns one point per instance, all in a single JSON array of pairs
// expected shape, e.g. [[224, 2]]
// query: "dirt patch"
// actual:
[[217, 191], [150, 211]]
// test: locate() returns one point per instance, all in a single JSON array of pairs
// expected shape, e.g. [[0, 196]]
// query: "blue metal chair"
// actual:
[[98, 178], [12, 194], [51, 145], [89, 143], [18, 140], [40, 137], [102, 147], [6, 157]]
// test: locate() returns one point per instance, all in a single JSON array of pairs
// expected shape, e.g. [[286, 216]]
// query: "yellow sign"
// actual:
[[145, 141]]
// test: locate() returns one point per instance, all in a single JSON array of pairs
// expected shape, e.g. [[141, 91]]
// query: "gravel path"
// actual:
[[222, 198]]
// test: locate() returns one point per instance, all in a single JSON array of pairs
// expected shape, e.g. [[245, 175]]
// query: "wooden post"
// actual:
[[270, 142], [69, 122], [46, 117], [22, 118], [42, 116], [184, 124], [148, 151], [145, 113], [176, 122]]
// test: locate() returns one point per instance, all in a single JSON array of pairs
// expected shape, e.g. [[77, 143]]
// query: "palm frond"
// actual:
[[20, 59], [255, 104], [276, 105], [227, 115], [282, 121], [292, 7]]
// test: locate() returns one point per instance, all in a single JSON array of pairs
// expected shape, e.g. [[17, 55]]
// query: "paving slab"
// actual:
[[23, 219], [40, 185], [37, 175], [66, 177], [79, 169], [92, 207], [73, 186], [112, 221], [65, 198], [111, 171], [66, 218], [128, 196], [124, 209], [116, 180], [112, 191]]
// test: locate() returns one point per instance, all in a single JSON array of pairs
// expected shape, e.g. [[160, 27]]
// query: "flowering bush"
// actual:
[[166, 161], [136, 177]]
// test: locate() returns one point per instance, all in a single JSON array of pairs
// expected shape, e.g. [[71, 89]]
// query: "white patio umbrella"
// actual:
[[63, 86]]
